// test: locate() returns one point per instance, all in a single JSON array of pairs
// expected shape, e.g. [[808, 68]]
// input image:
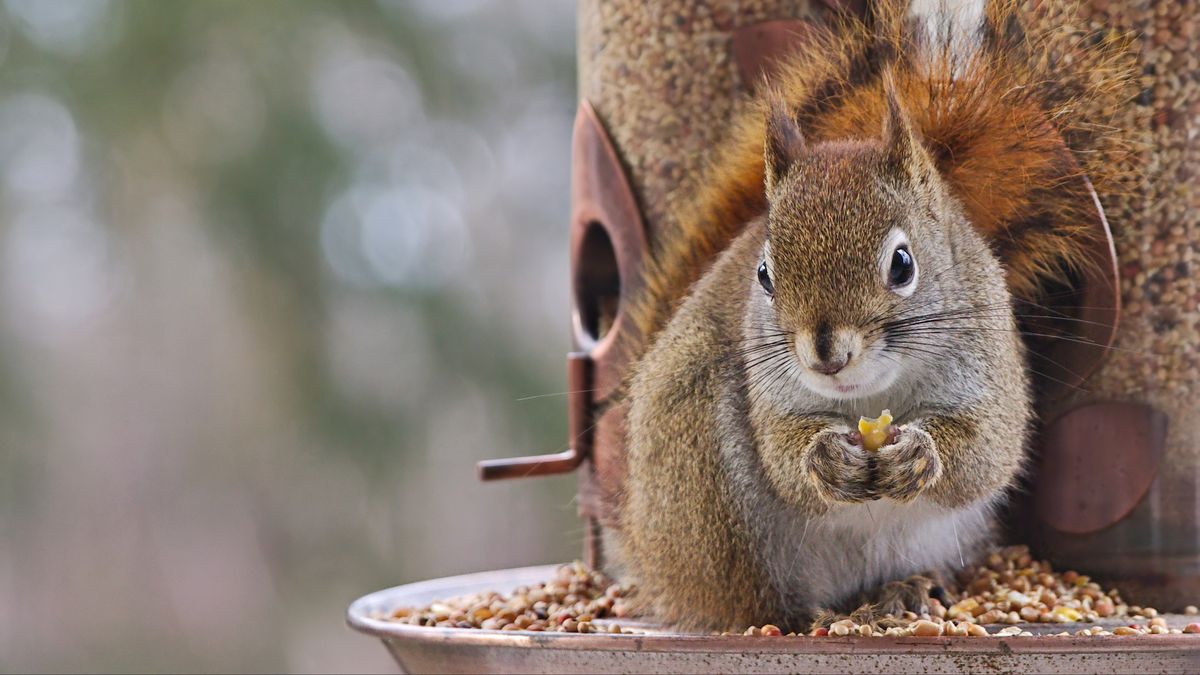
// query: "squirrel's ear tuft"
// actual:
[[903, 151], [785, 141]]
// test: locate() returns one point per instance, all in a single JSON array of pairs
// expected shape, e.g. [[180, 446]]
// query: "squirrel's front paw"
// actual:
[[908, 465], [839, 468]]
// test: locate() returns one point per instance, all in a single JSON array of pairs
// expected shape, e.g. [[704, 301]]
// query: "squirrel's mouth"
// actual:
[[863, 379]]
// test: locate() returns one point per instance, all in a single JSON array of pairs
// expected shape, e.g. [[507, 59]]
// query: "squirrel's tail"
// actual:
[[1012, 119]]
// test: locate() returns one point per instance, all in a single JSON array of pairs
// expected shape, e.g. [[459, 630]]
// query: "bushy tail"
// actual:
[[1012, 121]]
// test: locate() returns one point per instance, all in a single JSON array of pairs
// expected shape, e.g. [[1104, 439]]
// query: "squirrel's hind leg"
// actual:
[[869, 614], [911, 595], [884, 607]]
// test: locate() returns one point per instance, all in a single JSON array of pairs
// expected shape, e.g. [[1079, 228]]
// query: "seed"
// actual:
[[955, 629], [1192, 628], [966, 606], [1191, 610], [1066, 615], [923, 628], [1012, 588], [1125, 630], [1019, 599], [992, 616]]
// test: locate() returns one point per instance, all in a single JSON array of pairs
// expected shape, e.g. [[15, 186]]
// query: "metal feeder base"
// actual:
[[453, 650]]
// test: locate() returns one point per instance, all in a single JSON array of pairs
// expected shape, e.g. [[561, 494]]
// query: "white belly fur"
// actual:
[[861, 546]]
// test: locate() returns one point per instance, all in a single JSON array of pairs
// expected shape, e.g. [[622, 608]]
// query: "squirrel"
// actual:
[[859, 242]]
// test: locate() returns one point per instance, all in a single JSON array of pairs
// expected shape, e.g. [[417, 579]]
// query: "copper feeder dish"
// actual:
[[419, 649]]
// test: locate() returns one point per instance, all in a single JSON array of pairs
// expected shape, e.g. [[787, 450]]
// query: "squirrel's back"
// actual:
[[1003, 120]]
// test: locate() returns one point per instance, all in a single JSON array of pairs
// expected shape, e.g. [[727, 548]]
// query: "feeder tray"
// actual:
[[420, 649]]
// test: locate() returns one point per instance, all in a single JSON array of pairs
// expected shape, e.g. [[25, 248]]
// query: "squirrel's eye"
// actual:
[[764, 278], [903, 268]]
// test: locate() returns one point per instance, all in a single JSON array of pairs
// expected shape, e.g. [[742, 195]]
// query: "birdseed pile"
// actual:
[[999, 597], [571, 602]]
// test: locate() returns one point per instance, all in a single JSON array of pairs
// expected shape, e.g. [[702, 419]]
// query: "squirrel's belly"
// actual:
[[859, 547]]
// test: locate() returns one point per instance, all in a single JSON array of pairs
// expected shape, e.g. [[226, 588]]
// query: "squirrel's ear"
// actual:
[[903, 150], [785, 141]]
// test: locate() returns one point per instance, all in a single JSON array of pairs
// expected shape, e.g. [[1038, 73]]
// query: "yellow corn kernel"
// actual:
[[1066, 614], [875, 431]]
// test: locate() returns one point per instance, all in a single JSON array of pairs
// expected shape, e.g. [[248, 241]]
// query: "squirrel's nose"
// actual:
[[831, 366]]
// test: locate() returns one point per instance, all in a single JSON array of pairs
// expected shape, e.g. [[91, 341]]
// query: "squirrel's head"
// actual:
[[857, 240]]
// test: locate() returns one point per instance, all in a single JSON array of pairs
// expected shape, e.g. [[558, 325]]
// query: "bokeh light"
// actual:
[[273, 276]]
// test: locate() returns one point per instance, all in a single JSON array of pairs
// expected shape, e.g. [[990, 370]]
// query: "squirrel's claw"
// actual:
[[893, 434]]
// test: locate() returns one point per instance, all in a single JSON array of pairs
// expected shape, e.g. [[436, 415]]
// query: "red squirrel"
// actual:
[[858, 243]]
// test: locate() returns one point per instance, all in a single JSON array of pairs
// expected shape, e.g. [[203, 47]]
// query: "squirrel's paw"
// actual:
[[911, 595], [908, 465], [884, 607], [839, 468]]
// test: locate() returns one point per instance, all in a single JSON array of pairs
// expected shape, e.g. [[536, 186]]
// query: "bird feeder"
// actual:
[[1115, 468], [1101, 499]]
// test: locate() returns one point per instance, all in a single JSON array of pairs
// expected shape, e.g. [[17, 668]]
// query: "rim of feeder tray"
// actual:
[[362, 612]]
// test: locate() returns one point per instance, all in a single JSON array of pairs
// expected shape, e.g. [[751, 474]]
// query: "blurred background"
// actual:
[[273, 276]]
